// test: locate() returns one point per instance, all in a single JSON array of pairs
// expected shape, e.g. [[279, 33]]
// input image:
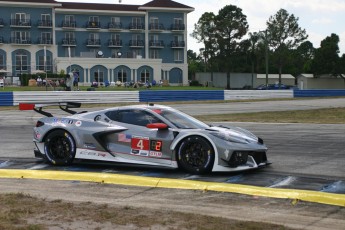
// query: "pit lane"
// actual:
[[304, 156]]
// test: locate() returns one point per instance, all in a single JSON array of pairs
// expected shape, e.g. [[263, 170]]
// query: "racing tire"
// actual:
[[195, 155], [59, 148]]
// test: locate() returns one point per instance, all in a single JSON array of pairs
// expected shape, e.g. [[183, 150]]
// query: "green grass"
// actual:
[[318, 116]]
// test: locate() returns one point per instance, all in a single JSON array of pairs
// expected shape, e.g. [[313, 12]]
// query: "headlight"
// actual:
[[228, 137]]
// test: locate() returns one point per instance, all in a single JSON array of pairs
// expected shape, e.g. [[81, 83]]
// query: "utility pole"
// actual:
[[266, 56]]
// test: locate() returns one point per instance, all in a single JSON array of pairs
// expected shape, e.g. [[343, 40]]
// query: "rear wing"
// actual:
[[65, 106]]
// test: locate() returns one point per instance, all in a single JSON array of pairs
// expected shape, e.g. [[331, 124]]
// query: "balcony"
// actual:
[[93, 25], [136, 43], [69, 42], [20, 41], [21, 23], [2, 23], [93, 42], [115, 26], [177, 44], [44, 24], [157, 44], [178, 27], [69, 25], [136, 26], [113, 43], [156, 27], [44, 41]]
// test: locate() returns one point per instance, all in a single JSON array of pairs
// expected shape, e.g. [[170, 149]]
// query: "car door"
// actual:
[[139, 143]]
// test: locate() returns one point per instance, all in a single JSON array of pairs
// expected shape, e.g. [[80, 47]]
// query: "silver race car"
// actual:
[[147, 135]]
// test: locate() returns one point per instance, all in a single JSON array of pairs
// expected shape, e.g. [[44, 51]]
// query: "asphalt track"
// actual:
[[307, 159]]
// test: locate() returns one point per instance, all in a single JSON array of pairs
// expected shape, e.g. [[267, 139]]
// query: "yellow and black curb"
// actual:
[[107, 178]]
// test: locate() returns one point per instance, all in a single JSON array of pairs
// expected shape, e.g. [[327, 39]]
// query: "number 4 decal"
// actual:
[[140, 143]]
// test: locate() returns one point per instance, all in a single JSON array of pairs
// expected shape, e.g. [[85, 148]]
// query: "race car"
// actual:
[[149, 134]]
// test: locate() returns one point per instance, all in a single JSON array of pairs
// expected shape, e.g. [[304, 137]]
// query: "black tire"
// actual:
[[195, 155], [60, 148]]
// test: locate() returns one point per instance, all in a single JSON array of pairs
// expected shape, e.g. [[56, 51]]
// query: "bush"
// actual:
[[194, 83]]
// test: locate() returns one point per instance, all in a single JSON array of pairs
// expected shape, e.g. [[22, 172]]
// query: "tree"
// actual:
[[284, 34], [326, 58], [194, 64], [204, 32], [231, 26]]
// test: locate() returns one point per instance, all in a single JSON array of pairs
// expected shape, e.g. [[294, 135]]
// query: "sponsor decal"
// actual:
[[92, 153], [122, 137], [155, 154], [62, 121], [78, 123], [89, 146], [37, 135], [143, 153]]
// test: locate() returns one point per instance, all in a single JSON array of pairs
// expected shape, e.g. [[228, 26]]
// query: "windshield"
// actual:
[[179, 119]]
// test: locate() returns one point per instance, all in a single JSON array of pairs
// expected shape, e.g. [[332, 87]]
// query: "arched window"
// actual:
[[145, 75], [122, 75]]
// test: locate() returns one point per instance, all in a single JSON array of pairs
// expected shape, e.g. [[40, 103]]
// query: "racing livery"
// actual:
[[147, 135]]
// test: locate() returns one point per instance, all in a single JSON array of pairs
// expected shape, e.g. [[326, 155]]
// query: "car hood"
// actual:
[[233, 133]]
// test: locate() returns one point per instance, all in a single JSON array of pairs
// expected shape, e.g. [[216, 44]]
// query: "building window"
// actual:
[[20, 19], [20, 37], [99, 76], [45, 20], [154, 54], [21, 62], [145, 75], [69, 21], [45, 66], [178, 55], [2, 61], [115, 20], [136, 23], [122, 76], [46, 38], [93, 19]]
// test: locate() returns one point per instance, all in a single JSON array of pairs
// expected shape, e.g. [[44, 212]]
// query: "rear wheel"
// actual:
[[60, 148], [195, 155]]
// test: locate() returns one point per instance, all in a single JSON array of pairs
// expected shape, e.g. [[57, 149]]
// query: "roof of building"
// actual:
[[98, 6], [165, 3], [31, 1], [111, 7]]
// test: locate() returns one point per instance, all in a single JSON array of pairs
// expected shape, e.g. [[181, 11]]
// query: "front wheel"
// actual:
[[59, 148], [195, 155]]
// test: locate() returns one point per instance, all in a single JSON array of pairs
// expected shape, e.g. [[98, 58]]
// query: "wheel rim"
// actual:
[[60, 147], [195, 154]]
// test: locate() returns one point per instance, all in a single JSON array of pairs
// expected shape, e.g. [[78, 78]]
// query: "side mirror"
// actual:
[[159, 126]]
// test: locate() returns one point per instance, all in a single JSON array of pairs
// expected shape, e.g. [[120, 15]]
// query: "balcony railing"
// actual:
[[157, 44], [69, 24], [69, 42], [136, 26], [136, 43], [45, 41], [93, 25], [156, 26], [178, 27], [114, 43], [20, 23], [115, 26], [44, 24], [93, 42], [177, 44], [21, 41]]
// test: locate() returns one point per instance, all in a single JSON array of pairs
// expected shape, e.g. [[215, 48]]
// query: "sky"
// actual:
[[320, 18]]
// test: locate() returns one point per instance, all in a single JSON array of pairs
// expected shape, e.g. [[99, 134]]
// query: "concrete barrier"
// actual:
[[106, 97]]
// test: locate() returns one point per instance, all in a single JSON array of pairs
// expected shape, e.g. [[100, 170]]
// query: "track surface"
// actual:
[[304, 156]]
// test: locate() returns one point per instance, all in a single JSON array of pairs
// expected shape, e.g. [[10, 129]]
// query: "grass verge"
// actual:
[[20, 211], [317, 116]]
